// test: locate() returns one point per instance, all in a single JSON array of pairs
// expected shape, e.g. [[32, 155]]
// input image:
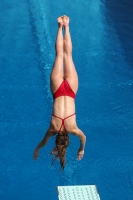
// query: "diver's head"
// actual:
[[59, 151]]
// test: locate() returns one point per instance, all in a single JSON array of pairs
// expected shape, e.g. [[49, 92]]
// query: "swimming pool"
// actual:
[[102, 51]]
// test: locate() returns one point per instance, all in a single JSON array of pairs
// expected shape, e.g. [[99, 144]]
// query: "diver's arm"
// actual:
[[44, 141], [77, 132]]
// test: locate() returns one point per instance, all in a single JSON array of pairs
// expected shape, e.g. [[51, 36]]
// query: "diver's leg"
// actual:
[[69, 69], [56, 76]]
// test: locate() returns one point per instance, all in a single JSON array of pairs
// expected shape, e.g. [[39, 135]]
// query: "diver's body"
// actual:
[[64, 86]]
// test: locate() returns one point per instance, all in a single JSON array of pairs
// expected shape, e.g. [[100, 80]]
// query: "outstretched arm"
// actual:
[[77, 132], [44, 141]]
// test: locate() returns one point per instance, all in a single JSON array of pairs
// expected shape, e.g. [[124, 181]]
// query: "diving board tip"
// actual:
[[78, 192]]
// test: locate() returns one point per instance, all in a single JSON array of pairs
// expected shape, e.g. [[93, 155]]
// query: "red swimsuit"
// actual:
[[63, 120], [64, 90]]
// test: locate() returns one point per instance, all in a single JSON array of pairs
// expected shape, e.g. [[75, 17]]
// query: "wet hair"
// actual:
[[59, 151]]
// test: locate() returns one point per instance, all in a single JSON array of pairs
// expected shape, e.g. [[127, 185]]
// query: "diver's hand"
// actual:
[[36, 154], [80, 154]]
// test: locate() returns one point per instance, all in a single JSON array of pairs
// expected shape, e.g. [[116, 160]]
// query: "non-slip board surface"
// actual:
[[80, 192]]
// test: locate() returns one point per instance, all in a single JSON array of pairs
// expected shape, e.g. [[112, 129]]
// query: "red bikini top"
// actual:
[[63, 121]]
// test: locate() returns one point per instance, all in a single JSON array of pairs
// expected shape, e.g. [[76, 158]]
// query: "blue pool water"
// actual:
[[103, 54]]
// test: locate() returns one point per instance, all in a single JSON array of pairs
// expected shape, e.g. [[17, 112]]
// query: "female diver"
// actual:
[[64, 85]]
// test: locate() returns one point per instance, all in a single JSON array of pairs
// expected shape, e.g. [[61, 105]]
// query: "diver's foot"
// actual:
[[65, 20], [60, 21]]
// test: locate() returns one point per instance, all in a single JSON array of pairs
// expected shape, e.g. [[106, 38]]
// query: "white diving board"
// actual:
[[78, 192]]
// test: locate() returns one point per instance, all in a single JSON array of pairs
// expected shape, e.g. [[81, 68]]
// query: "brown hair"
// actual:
[[59, 151]]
